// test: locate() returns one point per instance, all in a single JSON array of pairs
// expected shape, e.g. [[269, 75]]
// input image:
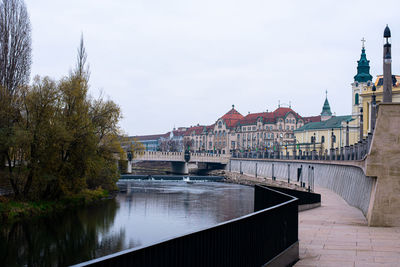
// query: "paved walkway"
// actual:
[[337, 234]]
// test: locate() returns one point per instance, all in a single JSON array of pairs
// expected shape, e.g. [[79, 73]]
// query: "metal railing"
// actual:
[[251, 240], [357, 151]]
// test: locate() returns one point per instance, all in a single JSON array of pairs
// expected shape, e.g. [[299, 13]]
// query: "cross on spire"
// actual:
[[326, 93], [363, 42]]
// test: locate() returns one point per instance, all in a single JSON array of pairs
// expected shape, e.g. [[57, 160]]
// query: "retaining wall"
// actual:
[[347, 181]]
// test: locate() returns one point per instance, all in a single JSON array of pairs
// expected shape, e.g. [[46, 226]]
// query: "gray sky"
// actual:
[[183, 62]]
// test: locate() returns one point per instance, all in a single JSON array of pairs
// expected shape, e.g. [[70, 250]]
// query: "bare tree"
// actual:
[[15, 45], [15, 63]]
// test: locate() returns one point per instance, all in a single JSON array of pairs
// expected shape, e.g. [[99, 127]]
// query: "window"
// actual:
[[287, 127], [292, 128], [280, 126], [254, 128], [356, 102], [322, 139]]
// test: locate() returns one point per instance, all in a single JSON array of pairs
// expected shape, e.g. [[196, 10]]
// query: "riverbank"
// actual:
[[12, 210]]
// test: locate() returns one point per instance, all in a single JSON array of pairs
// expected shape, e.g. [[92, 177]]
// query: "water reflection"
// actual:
[[62, 240], [145, 212]]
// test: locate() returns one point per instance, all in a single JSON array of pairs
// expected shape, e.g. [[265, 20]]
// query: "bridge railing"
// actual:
[[179, 156], [353, 152], [158, 155], [251, 240], [209, 157]]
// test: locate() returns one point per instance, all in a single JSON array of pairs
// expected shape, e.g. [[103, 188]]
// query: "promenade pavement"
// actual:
[[337, 234]]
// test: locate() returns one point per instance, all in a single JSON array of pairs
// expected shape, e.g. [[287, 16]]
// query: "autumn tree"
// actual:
[[15, 63]]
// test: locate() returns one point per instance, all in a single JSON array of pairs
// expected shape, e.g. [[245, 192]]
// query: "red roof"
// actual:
[[210, 127], [312, 119], [178, 133], [251, 118], [196, 129], [232, 117]]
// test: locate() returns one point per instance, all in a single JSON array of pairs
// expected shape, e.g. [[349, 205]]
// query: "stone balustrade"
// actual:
[[180, 157]]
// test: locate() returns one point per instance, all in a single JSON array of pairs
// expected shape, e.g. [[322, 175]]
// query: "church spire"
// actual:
[[326, 112], [363, 66]]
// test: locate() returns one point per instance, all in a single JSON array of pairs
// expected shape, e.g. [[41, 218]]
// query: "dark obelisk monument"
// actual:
[[387, 67]]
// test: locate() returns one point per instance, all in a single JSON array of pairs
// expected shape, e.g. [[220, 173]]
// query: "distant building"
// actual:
[[151, 142], [254, 132], [324, 129]]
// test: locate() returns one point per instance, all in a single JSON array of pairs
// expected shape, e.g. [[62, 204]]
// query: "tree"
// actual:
[[15, 62], [15, 45]]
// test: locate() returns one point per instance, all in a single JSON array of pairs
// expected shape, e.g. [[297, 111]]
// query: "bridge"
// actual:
[[180, 164], [366, 174]]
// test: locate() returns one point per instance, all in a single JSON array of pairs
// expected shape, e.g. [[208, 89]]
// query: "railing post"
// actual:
[[364, 151], [359, 150], [256, 169], [288, 173], [331, 153], [273, 176], [313, 154], [312, 178], [301, 176], [240, 171]]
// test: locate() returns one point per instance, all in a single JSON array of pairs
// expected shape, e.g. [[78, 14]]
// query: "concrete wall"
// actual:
[[383, 162], [347, 181]]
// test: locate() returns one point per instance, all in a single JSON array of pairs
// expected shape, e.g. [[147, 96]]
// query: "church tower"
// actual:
[[362, 80]]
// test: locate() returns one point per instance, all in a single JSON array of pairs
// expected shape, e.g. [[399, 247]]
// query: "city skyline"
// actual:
[[181, 63]]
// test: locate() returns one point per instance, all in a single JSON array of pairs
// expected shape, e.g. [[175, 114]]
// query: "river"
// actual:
[[143, 212]]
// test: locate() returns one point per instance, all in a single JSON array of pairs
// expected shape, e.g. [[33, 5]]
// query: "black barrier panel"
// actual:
[[250, 240], [303, 196]]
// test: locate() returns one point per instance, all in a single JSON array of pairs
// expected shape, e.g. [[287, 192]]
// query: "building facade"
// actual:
[[233, 132], [329, 132]]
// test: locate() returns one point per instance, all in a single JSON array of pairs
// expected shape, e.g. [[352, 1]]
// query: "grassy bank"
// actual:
[[12, 210]]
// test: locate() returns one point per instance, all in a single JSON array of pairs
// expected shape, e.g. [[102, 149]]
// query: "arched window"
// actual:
[[322, 139], [356, 99]]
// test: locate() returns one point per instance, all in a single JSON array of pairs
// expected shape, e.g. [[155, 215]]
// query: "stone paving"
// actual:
[[337, 234]]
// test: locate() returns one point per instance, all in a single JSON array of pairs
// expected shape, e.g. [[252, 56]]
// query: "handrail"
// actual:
[[250, 240]]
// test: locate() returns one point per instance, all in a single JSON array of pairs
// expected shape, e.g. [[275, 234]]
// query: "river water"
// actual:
[[143, 212]]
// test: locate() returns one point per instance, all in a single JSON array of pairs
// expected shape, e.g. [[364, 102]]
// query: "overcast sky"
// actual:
[[183, 62]]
